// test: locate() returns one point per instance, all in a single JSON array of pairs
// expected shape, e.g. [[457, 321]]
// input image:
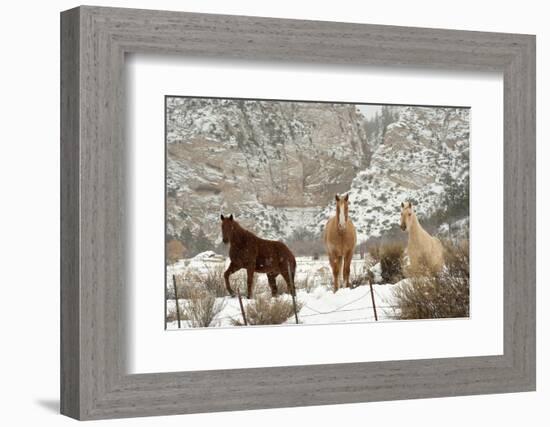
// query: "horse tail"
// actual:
[[291, 265], [293, 268], [292, 273]]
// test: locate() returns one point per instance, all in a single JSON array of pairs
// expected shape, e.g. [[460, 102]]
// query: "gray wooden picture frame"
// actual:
[[94, 382]]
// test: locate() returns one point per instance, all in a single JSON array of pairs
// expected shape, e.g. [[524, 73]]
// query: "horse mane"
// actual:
[[241, 235]]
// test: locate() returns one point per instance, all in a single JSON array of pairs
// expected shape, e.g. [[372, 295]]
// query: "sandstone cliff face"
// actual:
[[277, 165], [272, 164]]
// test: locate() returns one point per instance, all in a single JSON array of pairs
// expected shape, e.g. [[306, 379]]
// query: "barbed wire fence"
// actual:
[[307, 310], [365, 308]]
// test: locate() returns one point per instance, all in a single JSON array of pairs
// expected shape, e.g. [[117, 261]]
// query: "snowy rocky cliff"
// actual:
[[277, 165], [424, 157]]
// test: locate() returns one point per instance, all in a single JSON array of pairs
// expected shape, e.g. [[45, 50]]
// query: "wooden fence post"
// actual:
[[177, 302], [292, 292], [242, 307], [373, 303]]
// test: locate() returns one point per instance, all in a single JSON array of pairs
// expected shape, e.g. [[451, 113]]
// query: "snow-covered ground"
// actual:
[[319, 304]]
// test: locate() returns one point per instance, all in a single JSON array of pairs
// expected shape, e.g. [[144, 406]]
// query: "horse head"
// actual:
[[342, 208], [407, 212], [227, 228]]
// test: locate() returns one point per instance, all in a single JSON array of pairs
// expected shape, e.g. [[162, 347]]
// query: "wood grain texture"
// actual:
[[70, 291], [95, 276]]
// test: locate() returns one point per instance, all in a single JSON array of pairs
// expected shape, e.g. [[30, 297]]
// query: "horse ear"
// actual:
[[337, 198], [402, 205], [222, 217], [347, 197], [231, 217]]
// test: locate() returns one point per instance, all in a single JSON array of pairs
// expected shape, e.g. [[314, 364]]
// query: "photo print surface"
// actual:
[[296, 212]]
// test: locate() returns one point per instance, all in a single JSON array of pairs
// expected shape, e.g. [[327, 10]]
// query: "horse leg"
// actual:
[[230, 270], [347, 267], [249, 281], [335, 265], [272, 280]]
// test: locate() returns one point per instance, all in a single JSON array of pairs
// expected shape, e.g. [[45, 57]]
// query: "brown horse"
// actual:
[[256, 255], [340, 240]]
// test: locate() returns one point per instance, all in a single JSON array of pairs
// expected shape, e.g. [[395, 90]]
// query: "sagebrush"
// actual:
[[201, 309], [172, 315], [359, 276], [391, 261], [265, 310], [214, 281], [444, 294], [374, 251]]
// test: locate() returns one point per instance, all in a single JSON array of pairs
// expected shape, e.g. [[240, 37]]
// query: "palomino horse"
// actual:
[[256, 255], [423, 249], [340, 240]]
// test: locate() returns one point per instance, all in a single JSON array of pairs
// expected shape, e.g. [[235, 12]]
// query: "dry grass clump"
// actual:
[[359, 276], [391, 261], [457, 257], [239, 281], [201, 309], [172, 314], [264, 310], [445, 294], [214, 281], [186, 283], [374, 252]]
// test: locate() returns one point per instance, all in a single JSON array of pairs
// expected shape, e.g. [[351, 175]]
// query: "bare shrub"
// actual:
[[359, 276], [265, 310], [202, 308], [444, 294], [172, 315], [239, 281], [214, 281], [374, 251], [391, 261], [457, 257], [187, 283]]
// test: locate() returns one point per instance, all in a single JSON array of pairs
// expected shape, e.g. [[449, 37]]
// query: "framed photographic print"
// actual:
[[303, 212], [276, 165]]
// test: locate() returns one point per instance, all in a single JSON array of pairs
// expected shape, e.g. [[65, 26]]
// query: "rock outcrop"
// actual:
[[277, 165]]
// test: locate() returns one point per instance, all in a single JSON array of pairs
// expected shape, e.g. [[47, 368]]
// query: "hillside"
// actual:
[[273, 165], [424, 157], [277, 165]]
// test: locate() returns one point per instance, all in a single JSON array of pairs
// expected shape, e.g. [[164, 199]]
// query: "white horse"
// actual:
[[423, 249]]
